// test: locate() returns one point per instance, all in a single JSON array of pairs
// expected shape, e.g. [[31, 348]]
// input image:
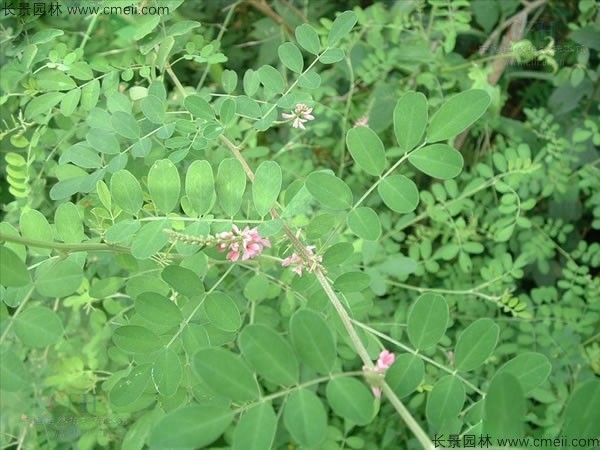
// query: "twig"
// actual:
[[264, 7]]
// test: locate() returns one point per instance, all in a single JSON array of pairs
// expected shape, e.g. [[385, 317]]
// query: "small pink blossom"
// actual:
[[362, 122], [384, 362], [248, 242], [300, 263], [300, 115]]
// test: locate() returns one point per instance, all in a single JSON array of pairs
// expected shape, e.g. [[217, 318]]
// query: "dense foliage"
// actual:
[[291, 224]]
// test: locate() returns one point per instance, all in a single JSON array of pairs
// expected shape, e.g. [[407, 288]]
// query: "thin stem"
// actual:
[[10, 323], [88, 32], [416, 353], [71, 248], [408, 418], [200, 303], [219, 37]]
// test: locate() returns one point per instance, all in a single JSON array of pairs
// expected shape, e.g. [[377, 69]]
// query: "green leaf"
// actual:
[[13, 269], [309, 80], [226, 373], [153, 109], [406, 374], [331, 55], [271, 79], [167, 372], [329, 190], [69, 102], [256, 428], [227, 110], [338, 253], [313, 340], [398, 266], [351, 400], [270, 354], [54, 80], [222, 312], [229, 80], [42, 104], [38, 327], [291, 57], [342, 25], [445, 401], [581, 414], [158, 309], [58, 278], [504, 408], [410, 120], [366, 149], [103, 141], [34, 226], [438, 161], [69, 225], [90, 93], [164, 185], [13, 374], [427, 321], [457, 114], [266, 186], [352, 282], [122, 231], [199, 107], [125, 125], [131, 387], [81, 155], [529, 368], [200, 186], [476, 344], [136, 339], [399, 193], [149, 240], [308, 39], [183, 280], [182, 27], [305, 418], [231, 184], [364, 222], [192, 426]]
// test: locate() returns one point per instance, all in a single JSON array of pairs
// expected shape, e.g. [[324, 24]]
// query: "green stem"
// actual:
[[88, 32], [200, 303], [478, 61], [416, 353], [10, 323], [219, 37], [70, 248], [408, 418]]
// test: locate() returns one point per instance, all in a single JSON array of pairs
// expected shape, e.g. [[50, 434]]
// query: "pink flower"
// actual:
[[248, 242], [301, 114], [300, 263], [362, 122], [386, 359], [384, 362]]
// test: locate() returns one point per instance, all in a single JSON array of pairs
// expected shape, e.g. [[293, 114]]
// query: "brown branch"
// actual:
[[516, 32], [264, 7]]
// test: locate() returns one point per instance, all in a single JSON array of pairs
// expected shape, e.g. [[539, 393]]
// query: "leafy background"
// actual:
[[457, 230]]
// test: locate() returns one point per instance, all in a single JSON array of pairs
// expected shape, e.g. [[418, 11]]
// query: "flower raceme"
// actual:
[[300, 263], [247, 242], [375, 375], [301, 114]]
